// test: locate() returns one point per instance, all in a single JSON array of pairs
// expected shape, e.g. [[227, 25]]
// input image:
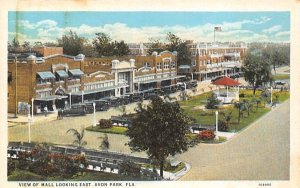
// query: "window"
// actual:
[[9, 77], [158, 67], [173, 65], [146, 65], [166, 65], [194, 63]]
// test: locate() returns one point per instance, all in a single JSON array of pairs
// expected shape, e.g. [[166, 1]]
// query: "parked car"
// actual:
[[75, 110]]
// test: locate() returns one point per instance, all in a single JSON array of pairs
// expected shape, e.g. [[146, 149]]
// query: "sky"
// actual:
[[135, 27]]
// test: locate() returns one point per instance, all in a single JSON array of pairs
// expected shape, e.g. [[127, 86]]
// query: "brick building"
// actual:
[[213, 60], [210, 60], [58, 77]]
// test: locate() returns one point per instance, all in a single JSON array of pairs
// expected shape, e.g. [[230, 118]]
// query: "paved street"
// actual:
[[54, 131], [261, 152]]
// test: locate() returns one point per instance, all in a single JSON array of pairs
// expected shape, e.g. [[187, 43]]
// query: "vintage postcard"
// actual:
[[132, 94]]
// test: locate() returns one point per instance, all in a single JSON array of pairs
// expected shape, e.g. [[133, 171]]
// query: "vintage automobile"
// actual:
[[75, 110]]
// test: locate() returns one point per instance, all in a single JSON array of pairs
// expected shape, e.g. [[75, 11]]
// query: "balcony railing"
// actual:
[[224, 64], [73, 82]]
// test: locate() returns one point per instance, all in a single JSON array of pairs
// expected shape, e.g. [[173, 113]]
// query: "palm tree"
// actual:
[[239, 106], [105, 143], [78, 137], [227, 117]]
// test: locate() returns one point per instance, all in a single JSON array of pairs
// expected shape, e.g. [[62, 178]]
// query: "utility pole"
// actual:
[[16, 87]]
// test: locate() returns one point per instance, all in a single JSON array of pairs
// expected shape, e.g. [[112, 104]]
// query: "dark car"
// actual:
[[75, 110], [101, 105]]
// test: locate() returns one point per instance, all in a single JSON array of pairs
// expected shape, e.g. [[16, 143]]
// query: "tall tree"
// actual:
[[173, 42], [277, 54], [26, 46], [15, 43], [159, 129], [38, 43], [155, 46], [120, 48], [104, 143], [184, 56], [102, 44], [50, 44], [72, 43], [78, 137], [257, 71]]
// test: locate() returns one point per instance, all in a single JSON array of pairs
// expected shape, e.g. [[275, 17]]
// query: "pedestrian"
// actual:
[[45, 111], [58, 114]]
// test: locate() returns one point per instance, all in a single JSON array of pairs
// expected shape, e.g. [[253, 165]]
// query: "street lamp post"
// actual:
[[70, 102], [29, 126], [217, 123], [82, 92], [32, 109], [16, 87], [271, 96], [94, 122]]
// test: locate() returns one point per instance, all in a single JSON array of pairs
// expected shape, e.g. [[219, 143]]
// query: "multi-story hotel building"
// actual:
[[209, 60], [212, 60], [54, 76]]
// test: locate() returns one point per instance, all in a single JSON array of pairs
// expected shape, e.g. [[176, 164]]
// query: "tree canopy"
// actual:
[[257, 69], [104, 46], [173, 43], [72, 43], [159, 129], [78, 137]]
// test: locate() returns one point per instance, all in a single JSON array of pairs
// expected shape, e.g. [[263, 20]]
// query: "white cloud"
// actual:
[[48, 30], [282, 34], [272, 29]]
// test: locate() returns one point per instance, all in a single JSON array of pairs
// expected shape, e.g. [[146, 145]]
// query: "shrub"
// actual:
[[130, 168], [212, 102], [223, 126], [206, 135], [105, 123], [11, 166]]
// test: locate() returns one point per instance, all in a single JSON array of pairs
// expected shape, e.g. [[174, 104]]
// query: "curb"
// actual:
[[182, 172]]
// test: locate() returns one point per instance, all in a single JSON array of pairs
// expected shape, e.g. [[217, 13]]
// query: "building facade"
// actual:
[[56, 77], [213, 60], [209, 60]]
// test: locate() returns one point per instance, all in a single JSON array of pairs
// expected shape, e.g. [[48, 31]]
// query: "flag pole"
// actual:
[[214, 35]]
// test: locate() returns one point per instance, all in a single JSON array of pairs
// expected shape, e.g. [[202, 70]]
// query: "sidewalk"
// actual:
[[22, 118]]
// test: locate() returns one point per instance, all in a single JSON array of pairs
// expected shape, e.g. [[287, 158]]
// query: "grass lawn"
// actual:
[[113, 130], [23, 175], [281, 76], [170, 169], [207, 116], [282, 95]]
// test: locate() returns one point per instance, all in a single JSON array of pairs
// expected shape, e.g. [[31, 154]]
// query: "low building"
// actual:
[[56, 79]]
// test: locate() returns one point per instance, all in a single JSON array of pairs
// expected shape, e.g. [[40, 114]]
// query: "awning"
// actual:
[[62, 74], [79, 93], [50, 98], [46, 75], [76, 72]]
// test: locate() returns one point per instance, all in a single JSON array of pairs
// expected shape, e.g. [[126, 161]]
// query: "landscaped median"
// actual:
[[231, 118], [112, 130]]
